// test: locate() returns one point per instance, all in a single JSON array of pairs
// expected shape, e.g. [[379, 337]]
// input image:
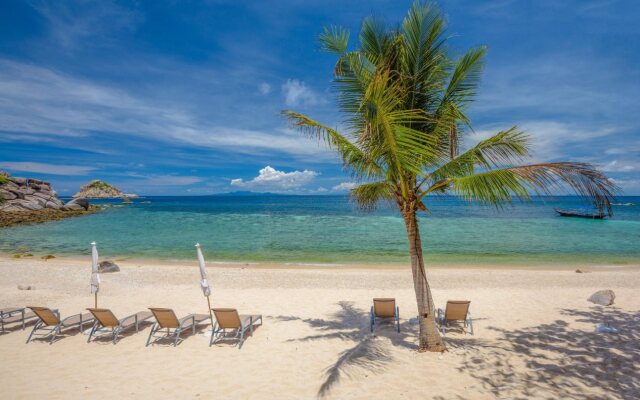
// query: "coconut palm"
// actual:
[[404, 100]]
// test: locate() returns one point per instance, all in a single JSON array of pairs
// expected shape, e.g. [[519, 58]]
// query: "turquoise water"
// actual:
[[330, 229]]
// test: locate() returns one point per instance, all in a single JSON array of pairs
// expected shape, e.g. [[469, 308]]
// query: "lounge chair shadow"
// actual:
[[107, 338], [561, 361], [187, 333], [369, 352], [18, 327], [226, 341], [69, 332]]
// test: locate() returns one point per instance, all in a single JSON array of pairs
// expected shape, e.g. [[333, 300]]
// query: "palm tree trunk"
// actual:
[[429, 338]]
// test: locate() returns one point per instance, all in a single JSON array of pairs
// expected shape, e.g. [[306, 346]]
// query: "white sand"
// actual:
[[534, 335]]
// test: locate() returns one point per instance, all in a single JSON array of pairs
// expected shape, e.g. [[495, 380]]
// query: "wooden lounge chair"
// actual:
[[12, 315], [229, 319], [385, 309], [456, 311], [166, 319], [107, 323], [50, 322]]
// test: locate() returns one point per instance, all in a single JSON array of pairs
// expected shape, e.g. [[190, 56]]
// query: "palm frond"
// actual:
[[500, 186], [368, 195], [504, 148], [352, 156], [334, 39]]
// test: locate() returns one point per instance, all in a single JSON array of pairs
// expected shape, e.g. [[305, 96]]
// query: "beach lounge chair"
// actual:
[[456, 312], [11, 315], [385, 309], [166, 319], [237, 324], [49, 321], [107, 324]]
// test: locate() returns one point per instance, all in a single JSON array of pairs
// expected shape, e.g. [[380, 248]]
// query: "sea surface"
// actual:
[[331, 229]]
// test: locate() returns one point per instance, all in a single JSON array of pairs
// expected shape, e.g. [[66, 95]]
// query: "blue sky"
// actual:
[[183, 97]]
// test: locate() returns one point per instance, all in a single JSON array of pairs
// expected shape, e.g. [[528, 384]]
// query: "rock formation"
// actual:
[[25, 194], [101, 190], [28, 201]]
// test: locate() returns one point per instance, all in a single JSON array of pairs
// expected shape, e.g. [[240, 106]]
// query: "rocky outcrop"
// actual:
[[27, 194], [101, 190], [77, 204], [108, 266], [603, 297], [28, 200]]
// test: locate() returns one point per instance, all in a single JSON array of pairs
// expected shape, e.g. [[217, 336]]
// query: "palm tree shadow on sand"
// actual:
[[556, 361], [370, 352]]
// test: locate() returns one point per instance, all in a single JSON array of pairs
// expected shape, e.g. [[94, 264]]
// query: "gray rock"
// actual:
[[108, 266], [603, 297], [18, 181], [77, 204], [7, 195], [26, 287], [42, 195], [53, 205], [27, 205]]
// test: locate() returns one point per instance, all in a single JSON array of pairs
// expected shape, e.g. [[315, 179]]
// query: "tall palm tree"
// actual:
[[404, 99]]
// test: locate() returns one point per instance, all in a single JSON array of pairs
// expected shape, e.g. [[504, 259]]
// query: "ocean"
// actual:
[[331, 229]]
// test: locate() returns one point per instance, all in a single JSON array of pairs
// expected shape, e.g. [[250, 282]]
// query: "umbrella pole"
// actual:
[[95, 300], [210, 313]]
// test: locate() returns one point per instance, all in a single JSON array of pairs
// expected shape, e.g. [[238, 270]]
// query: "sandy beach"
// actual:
[[534, 334]]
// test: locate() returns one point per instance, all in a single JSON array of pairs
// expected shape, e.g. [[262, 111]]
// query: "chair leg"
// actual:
[[35, 328], [177, 332], [372, 319], [398, 318], [214, 332], [93, 329], [471, 326], [55, 332], [241, 338], [153, 329]]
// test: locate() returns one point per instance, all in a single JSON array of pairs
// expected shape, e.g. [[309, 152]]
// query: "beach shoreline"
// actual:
[[80, 260]]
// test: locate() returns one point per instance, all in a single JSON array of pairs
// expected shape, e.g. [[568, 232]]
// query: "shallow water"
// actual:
[[312, 229]]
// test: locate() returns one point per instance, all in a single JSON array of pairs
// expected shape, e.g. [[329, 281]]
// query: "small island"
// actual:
[[98, 189]]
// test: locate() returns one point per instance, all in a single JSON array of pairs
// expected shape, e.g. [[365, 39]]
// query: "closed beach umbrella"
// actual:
[[204, 283], [95, 275]]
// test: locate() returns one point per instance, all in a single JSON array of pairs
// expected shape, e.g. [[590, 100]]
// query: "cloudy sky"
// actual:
[[183, 97]]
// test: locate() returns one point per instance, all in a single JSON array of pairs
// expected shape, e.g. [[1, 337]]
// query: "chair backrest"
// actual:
[[456, 310], [227, 318], [104, 316], [166, 317], [46, 315], [384, 308]]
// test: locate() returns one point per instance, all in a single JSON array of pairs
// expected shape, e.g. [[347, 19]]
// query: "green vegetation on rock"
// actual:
[[99, 185], [3, 179]]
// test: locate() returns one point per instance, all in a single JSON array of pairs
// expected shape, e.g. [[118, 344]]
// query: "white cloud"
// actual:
[[264, 88], [49, 169], [271, 179], [297, 93], [620, 166], [344, 186], [549, 140], [36, 101]]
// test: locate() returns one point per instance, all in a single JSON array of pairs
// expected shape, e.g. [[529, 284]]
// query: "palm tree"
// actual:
[[404, 99]]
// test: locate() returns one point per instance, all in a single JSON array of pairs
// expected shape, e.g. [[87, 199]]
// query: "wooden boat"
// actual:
[[582, 213]]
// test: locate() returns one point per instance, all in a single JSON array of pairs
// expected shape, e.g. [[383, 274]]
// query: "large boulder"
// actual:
[[77, 204], [603, 297], [108, 266]]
